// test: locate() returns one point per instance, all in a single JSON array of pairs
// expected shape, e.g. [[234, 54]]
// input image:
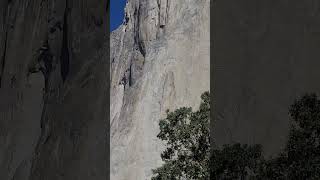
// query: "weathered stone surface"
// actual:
[[159, 60], [53, 101]]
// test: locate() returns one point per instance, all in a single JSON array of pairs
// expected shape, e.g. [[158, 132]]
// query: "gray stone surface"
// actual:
[[159, 60], [53, 69]]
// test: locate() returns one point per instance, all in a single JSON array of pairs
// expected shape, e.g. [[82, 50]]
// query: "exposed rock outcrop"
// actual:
[[53, 101], [159, 60]]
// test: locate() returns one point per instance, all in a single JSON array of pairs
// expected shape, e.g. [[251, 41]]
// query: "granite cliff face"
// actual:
[[159, 60], [53, 82]]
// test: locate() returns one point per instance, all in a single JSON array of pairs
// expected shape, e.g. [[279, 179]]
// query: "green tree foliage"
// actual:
[[187, 155], [186, 134], [188, 148]]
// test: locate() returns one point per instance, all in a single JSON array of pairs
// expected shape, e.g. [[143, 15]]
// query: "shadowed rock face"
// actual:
[[266, 54], [159, 60], [53, 101]]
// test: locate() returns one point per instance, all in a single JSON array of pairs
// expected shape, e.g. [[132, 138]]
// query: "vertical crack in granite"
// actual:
[[4, 25], [163, 15], [3, 58], [130, 75], [65, 48], [137, 37], [45, 61]]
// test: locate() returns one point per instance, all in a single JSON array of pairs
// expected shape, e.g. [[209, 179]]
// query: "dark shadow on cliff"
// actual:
[[188, 155]]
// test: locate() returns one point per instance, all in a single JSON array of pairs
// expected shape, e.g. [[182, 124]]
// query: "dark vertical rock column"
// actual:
[[73, 137], [23, 27], [53, 95]]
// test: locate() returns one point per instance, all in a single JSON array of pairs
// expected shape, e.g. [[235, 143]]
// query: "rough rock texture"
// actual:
[[53, 101], [159, 60], [266, 54]]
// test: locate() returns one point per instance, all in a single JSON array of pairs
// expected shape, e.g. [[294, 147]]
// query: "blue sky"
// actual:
[[116, 13]]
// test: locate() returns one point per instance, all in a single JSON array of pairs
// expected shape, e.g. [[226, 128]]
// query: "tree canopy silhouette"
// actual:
[[188, 154]]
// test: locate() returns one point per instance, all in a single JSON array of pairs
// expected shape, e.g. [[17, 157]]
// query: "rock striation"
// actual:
[[53, 89], [159, 61]]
